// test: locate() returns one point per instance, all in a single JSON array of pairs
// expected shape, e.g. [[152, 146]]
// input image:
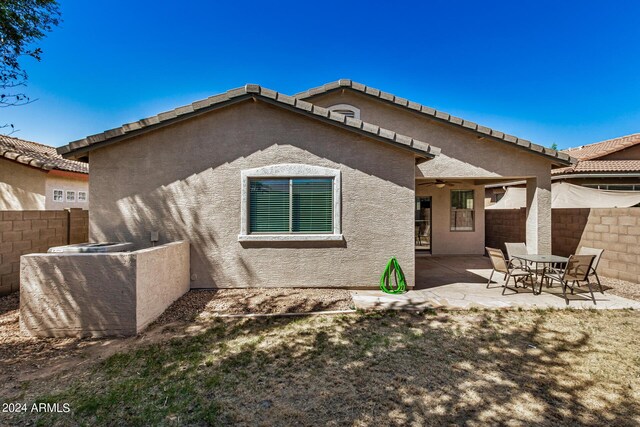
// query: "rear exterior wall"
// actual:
[[184, 181]]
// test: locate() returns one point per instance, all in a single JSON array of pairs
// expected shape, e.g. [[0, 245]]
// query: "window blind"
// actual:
[[291, 205]]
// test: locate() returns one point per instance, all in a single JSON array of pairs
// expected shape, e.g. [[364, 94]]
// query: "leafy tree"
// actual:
[[22, 23], [554, 146]]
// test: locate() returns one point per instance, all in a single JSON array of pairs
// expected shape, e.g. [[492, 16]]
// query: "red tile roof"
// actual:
[[601, 149], [38, 155], [600, 166]]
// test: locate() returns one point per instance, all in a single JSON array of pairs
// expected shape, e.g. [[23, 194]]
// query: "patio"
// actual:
[[459, 282]]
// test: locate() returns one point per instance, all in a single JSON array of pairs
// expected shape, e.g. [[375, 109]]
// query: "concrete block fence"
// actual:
[[25, 232], [616, 230]]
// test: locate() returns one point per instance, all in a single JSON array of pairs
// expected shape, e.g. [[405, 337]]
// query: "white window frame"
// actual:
[[61, 198], [290, 170], [356, 110], [86, 198], [66, 196]]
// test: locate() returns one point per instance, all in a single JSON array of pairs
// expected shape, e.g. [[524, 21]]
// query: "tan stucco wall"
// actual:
[[443, 240], [80, 295], [21, 187], [463, 155], [184, 181], [61, 183], [162, 276]]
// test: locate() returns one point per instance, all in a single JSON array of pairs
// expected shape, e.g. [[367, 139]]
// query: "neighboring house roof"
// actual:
[[604, 148], [38, 155], [600, 166], [589, 158], [79, 148], [557, 156]]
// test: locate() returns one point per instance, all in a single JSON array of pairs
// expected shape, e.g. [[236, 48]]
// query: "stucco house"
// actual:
[[318, 189], [34, 176], [613, 164]]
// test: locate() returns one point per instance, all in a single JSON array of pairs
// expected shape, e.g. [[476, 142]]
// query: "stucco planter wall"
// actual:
[[71, 295]]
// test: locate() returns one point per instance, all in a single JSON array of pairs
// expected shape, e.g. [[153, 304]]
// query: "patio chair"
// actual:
[[577, 270], [598, 254], [514, 249], [501, 265]]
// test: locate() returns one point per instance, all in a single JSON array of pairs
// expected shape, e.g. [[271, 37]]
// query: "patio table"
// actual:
[[544, 260]]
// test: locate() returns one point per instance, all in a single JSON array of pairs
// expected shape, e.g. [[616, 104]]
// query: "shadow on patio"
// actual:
[[460, 282]]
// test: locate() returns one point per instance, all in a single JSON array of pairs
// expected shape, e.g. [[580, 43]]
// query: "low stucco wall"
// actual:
[[71, 295]]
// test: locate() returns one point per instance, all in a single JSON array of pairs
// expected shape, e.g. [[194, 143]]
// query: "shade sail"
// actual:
[[565, 196]]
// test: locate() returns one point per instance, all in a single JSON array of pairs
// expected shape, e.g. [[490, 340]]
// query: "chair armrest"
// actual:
[[554, 270], [521, 264]]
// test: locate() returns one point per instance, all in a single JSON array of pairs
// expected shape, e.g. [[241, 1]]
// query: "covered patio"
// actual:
[[460, 282]]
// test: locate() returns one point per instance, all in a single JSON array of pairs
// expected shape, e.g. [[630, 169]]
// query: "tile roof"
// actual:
[[601, 149], [37, 155], [82, 146], [600, 166], [441, 116]]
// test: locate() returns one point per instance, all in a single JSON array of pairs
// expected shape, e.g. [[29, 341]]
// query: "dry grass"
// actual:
[[474, 368]]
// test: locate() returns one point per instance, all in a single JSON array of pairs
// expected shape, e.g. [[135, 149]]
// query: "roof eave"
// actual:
[[557, 157], [80, 148]]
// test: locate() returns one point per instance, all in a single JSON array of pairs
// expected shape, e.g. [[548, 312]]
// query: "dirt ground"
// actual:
[[620, 288], [24, 358], [520, 368], [536, 367], [206, 303]]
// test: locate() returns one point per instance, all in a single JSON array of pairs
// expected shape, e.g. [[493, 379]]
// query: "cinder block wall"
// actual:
[[567, 228], [504, 226], [617, 231], [26, 232]]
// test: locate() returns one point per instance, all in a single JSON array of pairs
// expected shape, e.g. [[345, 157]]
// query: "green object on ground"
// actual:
[[393, 270]]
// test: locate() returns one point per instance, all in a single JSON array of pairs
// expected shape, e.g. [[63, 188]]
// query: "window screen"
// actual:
[[462, 210], [291, 205]]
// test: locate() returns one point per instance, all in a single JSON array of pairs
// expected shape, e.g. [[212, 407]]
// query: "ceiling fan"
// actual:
[[440, 183]]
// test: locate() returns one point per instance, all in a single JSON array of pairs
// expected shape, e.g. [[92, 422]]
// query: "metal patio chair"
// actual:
[[516, 249], [598, 254], [501, 265], [577, 270]]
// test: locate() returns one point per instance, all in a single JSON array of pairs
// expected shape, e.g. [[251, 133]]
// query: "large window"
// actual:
[[462, 210], [290, 202], [295, 205]]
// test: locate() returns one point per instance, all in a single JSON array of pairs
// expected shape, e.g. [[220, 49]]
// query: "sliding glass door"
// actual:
[[423, 224]]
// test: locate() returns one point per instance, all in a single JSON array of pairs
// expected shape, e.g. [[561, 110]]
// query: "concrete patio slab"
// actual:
[[459, 282]]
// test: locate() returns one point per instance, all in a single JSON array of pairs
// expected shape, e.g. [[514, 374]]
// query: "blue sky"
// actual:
[[549, 71]]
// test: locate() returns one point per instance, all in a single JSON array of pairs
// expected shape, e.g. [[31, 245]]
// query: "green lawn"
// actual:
[[510, 367]]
